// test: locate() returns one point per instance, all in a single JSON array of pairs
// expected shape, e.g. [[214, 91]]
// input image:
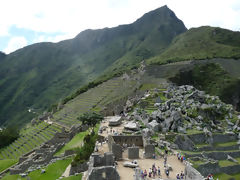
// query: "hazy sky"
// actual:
[[24, 22]]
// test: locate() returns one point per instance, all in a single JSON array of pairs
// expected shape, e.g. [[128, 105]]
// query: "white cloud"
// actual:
[[15, 43], [72, 16]]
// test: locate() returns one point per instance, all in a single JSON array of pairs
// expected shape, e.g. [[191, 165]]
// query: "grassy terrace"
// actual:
[[226, 144], [193, 131], [94, 99], [76, 141], [223, 176], [6, 163], [30, 138], [224, 163]]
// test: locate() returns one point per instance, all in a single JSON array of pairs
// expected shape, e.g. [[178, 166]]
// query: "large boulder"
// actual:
[[130, 164], [177, 116], [115, 121], [154, 125], [132, 126]]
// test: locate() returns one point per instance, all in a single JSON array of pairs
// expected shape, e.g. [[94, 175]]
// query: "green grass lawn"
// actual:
[[11, 177], [6, 163], [193, 131], [225, 144], [53, 171], [147, 86], [224, 163], [201, 145], [76, 141], [78, 177], [223, 176]]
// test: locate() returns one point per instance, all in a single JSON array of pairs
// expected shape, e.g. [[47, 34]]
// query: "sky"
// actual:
[[25, 22]]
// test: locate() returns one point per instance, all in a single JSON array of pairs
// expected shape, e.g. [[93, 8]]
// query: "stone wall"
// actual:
[[102, 167], [192, 174], [78, 168], [214, 168], [104, 173], [217, 138], [117, 150], [136, 140], [106, 160], [149, 151], [215, 155]]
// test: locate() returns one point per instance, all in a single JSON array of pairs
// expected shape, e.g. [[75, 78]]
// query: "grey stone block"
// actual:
[[149, 151], [133, 152]]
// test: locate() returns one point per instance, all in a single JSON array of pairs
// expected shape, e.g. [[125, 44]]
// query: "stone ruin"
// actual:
[[45, 153], [192, 174], [102, 167], [117, 144], [117, 120]]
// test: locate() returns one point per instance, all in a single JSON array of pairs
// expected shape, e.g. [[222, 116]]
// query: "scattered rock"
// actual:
[[130, 164], [230, 158], [132, 126]]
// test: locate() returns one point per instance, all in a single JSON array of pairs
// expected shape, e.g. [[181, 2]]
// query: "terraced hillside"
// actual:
[[30, 138], [94, 99]]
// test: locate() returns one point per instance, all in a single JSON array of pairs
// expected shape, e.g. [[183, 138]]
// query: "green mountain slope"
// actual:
[[202, 43], [2, 55], [41, 74]]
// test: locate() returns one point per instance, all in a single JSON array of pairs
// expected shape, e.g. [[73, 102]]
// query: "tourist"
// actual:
[[182, 175], [155, 171], [154, 156], [159, 171], [182, 159], [165, 158], [178, 177], [166, 151], [145, 173], [142, 174], [153, 166], [210, 177], [167, 172], [150, 174], [179, 156]]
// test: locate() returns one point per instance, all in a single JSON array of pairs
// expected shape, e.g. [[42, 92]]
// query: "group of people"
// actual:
[[180, 176], [153, 172], [210, 177], [180, 157]]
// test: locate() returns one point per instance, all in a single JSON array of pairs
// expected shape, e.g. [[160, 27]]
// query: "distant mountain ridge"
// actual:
[[202, 43], [40, 74]]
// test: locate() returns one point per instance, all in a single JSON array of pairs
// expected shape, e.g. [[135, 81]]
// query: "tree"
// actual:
[[90, 118]]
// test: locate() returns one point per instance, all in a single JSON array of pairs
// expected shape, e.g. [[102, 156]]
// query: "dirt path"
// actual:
[[67, 171]]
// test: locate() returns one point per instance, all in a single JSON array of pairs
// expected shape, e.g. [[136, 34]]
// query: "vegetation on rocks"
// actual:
[[213, 79], [90, 118], [86, 150], [8, 135]]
